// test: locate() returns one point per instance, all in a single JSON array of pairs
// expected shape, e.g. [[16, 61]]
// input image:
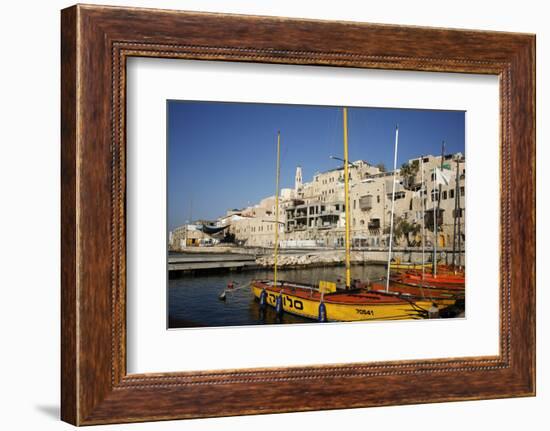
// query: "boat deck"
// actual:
[[353, 296]]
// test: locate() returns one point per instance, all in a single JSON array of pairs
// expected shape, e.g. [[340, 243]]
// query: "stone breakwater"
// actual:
[[312, 259]]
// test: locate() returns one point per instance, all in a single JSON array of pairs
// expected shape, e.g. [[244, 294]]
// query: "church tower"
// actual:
[[298, 178]]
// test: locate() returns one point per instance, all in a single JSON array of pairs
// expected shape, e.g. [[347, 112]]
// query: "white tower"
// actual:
[[298, 178]]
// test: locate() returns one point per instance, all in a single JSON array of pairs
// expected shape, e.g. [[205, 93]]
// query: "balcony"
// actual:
[[374, 224], [365, 202]]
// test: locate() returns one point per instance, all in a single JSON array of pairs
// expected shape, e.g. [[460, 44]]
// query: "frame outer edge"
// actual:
[[532, 79], [69, 196], [88, 397], [523, 216], [531, 64], [533, 55]]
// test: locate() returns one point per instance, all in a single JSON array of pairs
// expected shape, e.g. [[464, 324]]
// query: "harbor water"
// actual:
[[193, 300]]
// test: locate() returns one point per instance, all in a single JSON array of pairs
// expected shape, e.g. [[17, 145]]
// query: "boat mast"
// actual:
[[459, 216], [346, 199], [438, 205], [423, 210], [434, 263], [276, 250], [455, 216], [392, 206]]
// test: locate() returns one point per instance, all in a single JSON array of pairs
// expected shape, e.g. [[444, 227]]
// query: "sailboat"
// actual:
[[435, 281], [413, 292], [326, 302], [407, 266], [429, 285]]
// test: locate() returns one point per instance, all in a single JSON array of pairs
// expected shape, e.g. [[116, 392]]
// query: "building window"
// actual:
[[451, 194], [378, 199], [462, 191], [445, 194]]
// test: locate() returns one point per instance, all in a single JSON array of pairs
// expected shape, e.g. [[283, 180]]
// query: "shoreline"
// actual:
[[200, 261], [255, 267]]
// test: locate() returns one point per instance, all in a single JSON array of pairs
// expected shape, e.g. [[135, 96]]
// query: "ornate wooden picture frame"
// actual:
[[96, 42]]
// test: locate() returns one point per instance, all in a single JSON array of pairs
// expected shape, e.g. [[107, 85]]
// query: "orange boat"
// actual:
[[439, 280], [442, 269], [431, 284], [441, 297], [457, 291]]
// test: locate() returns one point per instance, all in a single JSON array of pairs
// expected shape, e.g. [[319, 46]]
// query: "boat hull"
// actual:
[[406, 266], [442, 298], [306, 304], [428, 290], [428, 281]]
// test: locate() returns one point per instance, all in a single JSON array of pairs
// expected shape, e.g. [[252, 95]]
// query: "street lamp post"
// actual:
[[341, 160]]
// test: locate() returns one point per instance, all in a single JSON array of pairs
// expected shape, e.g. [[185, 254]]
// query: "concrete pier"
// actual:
[[210, 261], [291, 258]]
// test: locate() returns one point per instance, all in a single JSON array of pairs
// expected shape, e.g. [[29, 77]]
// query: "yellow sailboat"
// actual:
[[325, 302], [339, 306]]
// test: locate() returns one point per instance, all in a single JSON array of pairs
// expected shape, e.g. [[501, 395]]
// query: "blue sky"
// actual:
[[223, 155]]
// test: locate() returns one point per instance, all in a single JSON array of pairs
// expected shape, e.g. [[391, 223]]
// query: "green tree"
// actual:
[[381, 166], [403, 228], [408, 171]]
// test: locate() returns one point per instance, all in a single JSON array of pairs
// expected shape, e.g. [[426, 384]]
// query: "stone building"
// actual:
[[255, 226], [188, 235], [452, 193], [314, 212]]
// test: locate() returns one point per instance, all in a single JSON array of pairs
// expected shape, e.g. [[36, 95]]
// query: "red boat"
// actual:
[[439, 280], [442, 269], [442, 297], [443, 283]]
